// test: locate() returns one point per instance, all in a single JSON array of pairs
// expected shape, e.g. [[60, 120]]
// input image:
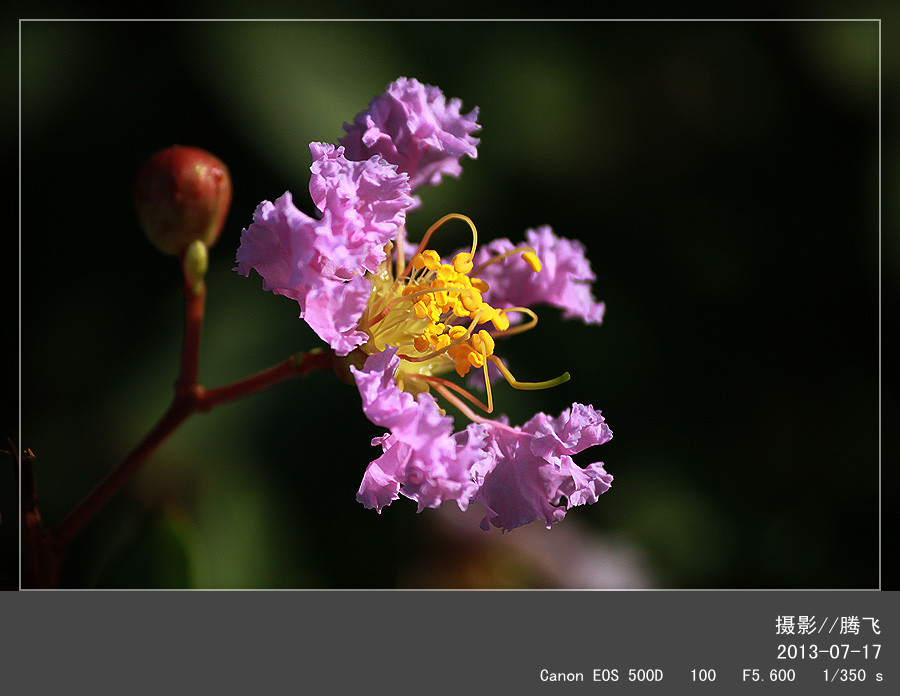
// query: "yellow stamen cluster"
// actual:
[[444, 293], [434, 314]]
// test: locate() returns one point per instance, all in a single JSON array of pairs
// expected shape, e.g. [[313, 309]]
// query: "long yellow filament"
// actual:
[[516, 384]]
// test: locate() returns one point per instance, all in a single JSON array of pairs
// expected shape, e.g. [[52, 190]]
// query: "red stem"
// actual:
[[189, 398], [194, 304], [295, 366]]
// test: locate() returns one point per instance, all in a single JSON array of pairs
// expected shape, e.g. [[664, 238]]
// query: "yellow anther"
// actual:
[[461, 354], [532, 260], [480, 285], [462, 262], [471, 301], [421, 309], [422, 343], [430, 259], [483, 338], [484, 313], [456, 331], [446, 272], [500, 320], [460, 310]]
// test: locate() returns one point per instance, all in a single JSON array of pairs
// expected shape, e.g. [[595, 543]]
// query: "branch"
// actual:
[[46, 549], [188, 400]]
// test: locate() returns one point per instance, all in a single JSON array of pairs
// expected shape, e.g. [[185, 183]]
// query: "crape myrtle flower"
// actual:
[[400, 325]]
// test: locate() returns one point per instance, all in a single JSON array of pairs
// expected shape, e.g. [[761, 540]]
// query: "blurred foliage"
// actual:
[[723, 176]]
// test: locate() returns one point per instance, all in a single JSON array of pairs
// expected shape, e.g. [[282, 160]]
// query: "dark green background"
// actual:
[[723, 176]]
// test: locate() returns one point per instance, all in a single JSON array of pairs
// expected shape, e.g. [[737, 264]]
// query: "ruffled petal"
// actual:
[[573, 431], [366, 204], [533, 471], [333, 309], [382, 401], [421, 460], [321, 262], [381, 482], [279, 245], [519, 474], [519, 490], [563, 281], [415, 127]]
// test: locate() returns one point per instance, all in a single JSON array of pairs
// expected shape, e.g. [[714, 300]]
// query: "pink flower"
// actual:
[[411, 317], [563, 282], [414, 127]]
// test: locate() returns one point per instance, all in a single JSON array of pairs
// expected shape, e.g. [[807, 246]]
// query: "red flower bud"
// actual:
[[182, 194]]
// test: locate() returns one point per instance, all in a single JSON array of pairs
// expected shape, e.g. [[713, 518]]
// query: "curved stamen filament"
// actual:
[[435, 381], [466, 411], [516, 384], [474, 417], [529, 259], [431, 230]]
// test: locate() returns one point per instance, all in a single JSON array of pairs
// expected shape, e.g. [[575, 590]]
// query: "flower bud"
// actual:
[[194, 263], [182, 194]]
